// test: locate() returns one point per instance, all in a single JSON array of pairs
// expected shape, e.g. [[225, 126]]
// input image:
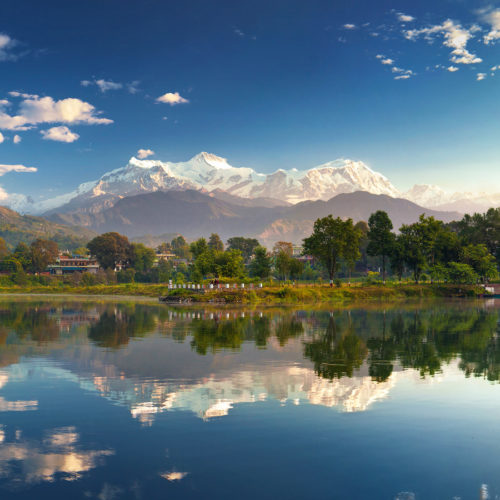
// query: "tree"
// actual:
[[164, 248], [142, 258], [230, 263], [260, 266], [397, 257], [83, 251], [413, 248], [331, 240], [3, 249], [43, 252], [461, 273], [215, 243], [22, 253], [380, 237], [483, 263], [180, 247], [283, 246], [282, 263], [245, 245], [110, 249], [198, 247]]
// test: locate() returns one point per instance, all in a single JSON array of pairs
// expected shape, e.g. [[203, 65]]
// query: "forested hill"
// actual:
[[15, 227]]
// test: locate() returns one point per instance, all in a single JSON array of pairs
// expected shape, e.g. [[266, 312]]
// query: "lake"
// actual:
[[114, 400]]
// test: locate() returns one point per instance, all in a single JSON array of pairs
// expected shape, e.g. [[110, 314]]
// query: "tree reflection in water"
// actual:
[[337, 343]]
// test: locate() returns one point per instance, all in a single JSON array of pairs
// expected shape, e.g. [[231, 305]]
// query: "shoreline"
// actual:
[[272, 295]]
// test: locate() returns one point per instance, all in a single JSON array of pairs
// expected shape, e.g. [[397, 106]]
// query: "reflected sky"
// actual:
[[138, 400]]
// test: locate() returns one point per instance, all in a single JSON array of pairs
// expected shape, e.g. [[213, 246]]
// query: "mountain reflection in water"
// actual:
[[82, 383], [151, 358]]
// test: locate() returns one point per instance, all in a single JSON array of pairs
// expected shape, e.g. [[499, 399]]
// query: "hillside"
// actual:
[[195, 214], [15, 228]]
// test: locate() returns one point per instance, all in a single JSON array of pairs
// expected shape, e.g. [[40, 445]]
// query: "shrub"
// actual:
[[461, 273]]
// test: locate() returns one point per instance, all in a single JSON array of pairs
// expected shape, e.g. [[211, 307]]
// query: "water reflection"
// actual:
[[149, 362], [58, 454], [343, 359]]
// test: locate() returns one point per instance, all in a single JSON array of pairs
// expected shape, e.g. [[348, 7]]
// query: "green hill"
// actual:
[[15, 228]]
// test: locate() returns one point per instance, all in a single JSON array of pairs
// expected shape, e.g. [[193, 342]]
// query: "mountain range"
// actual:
[[193, 214], [206, 194]]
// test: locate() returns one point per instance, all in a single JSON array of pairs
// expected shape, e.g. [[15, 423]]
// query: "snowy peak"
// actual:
[[212, 160], [208, 173]]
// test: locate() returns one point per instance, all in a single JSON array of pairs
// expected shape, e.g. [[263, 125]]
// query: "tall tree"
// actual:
[[22, 254], [180, 247], [215, 243], [142, 258], [198, 247], [380, 237], [260, 266], [110, 249], [245, 245], [43, 252], [331, 240]]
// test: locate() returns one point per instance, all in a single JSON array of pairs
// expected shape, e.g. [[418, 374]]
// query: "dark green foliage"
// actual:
[[380, 237], [333, 239], [246, 246], [111, 250], [260, 266], [215, 243]]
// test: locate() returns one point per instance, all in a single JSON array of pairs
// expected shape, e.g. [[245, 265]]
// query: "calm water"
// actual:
[[117, 400]]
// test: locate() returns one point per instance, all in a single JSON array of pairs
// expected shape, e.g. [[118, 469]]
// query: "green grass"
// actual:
[[268, 295]]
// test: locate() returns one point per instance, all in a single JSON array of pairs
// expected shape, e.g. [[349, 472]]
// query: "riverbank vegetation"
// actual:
[[362, 260]]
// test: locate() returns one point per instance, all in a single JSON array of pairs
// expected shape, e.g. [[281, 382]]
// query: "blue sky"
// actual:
[[407, 87]]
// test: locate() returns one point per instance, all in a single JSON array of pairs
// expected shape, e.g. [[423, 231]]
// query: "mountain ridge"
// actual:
[[196, 214]]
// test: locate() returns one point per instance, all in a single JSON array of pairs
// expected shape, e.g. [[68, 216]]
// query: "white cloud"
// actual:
[[2, 138], [6, 45], [144, 153], [35, 110], [17, 139], [60, 134], [172, 98], [481, 76], [105, 85], [4, 103], [402, 77], [455, 37], [15, 93], [349, 26], [132, 87], [492, 17], [404, 18], [452, 69], [387, 61], [5, 169]]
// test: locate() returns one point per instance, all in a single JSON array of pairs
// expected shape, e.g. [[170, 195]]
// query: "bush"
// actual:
[[461, 273], [126, 276], [372, 278]]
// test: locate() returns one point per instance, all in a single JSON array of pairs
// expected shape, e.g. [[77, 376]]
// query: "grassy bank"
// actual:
[[267, 295]]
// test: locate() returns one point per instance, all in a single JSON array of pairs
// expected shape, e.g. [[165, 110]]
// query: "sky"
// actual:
[[410, 88]]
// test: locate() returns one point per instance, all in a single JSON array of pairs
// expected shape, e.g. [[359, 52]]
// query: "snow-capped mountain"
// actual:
[[207, 173], [432, 196]]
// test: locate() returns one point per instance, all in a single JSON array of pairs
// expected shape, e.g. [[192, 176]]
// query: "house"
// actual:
[[76, 263]]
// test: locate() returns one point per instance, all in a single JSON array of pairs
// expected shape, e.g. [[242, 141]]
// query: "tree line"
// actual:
[[466, 251]]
